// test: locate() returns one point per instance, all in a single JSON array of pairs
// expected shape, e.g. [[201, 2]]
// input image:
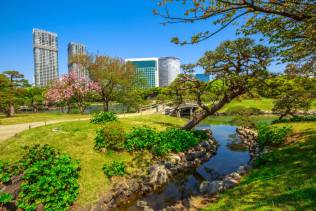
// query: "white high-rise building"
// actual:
[[169, 69], [45, 49], [73, 50], [157, 72]]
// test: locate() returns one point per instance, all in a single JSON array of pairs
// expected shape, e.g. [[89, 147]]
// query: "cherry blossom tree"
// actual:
[[71, 88]]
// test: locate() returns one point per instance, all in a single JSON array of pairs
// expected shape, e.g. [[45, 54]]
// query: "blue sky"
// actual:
[[122, 28]]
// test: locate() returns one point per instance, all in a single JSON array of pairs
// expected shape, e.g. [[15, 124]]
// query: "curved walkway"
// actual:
[[9, 131]]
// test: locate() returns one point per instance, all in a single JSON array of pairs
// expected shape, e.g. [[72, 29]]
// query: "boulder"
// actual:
[[159, 175], [229, 183], [174, 158], [211, 187]]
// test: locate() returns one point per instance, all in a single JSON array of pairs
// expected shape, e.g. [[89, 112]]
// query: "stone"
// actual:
[[229, 183], [141, 203], [159, 175], [174, 158], [235, 176], [242, 170], [211, 187]]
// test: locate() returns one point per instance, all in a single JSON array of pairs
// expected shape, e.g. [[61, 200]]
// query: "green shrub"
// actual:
[[114, 169], [49, 178], [141, 138], [272, 135], [243, 121], [5, 172], [177, 140], [242, 111], [5, 198], [161, 143], [110, 137], [103, 117], [309, 118], [200, 134]]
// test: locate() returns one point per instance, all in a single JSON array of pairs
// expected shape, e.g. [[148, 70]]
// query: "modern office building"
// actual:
[[73, 50], [147, 69], [45, 49], [169, 69], [203, 77], [156, 72]]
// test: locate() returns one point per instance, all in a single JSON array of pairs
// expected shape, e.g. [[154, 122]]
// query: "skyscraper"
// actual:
[[73, 50], [157, 72], [147, 69], [45, 49], [169, 69]]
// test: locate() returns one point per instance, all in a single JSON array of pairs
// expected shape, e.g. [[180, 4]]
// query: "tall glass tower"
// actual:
[[147, 69], [45, 49], [73, 50]]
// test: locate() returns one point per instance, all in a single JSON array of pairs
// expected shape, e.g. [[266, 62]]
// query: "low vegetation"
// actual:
[[49, 178], [284, 179], [77, 140], [103, 117], [308, 118], [114, 169], [271, 135]]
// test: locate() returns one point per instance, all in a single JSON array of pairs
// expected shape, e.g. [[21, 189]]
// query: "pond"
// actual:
[[230, 155]]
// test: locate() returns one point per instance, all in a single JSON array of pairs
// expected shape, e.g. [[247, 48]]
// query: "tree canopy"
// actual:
[[288, 24]]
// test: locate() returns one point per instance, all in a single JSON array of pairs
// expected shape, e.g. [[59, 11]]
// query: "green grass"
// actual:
[[228, 120], [286, 182], [38, 117], [77, 139], [265, 104]]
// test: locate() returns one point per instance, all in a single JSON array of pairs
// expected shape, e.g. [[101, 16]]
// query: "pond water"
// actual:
[[230, 155]]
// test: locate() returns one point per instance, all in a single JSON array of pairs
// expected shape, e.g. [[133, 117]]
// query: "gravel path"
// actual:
[[8, 131]]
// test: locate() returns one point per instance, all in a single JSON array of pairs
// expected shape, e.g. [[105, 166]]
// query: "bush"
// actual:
[[272, 135], [114, 169], [49, 178], [141, 138], [103, 117], [200, 134], [161, 143], [110, 138], [243, 111], [5, 198], [243, 121], [309, 118]]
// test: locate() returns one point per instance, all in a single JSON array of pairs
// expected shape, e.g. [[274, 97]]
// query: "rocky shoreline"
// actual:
[[161, 171]]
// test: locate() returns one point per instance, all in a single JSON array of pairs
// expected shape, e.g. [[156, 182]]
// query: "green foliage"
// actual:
[[103, 117], [141, 138], [309, 118], [244, 121], [5, 198], [272, 135], [200, 134], [5, 172], [49, 178], [243, 111], [110, 137], [114, 169], [161, 143]]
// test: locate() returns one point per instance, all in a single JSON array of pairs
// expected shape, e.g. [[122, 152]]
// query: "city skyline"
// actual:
[[137, 33]]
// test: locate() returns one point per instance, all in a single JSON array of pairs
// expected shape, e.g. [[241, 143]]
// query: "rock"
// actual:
[[229, 183], [242, 170], [174, 158], [147, 208], [159, 175], [211, 187], [141, 203], [206, 145], [193, 155], [55, 129], [235, 176]]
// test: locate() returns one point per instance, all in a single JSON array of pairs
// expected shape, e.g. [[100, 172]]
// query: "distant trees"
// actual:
[[117, 80], [11, 91], [70, 89], [235, 66]]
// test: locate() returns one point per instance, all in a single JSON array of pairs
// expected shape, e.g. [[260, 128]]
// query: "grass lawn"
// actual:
[[77, 139], [265, 104], [38, 117], [229, 120], [287, 181]]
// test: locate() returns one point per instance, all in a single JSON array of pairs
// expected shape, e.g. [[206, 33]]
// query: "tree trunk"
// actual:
[[106, 105], [205, 113], [196, 120], [68, 108], [10, 112]]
